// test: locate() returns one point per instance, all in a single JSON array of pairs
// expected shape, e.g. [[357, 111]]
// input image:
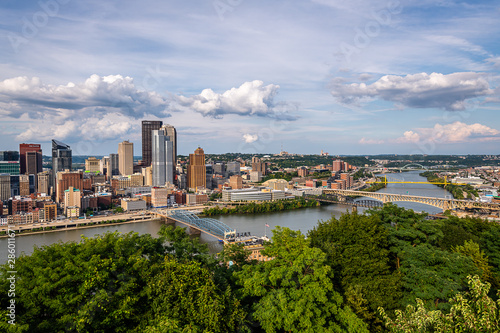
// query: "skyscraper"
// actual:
[[196, 169], [126, 158], [258, 165], [9, 155], [162, 157], [61, 158], [172, 134], [112, 167], [33, 165], [147, 127]]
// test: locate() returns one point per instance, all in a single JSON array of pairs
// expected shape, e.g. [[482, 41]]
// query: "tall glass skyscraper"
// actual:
[[162, 157], [147, 127], [61, 158]]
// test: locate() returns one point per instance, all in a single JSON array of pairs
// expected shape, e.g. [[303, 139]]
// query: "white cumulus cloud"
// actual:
[[97, 94], [251, 98], [249, 138], [444, 91], [456, 132]]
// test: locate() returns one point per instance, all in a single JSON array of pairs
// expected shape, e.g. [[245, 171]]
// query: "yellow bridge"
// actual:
[[398, 181], [444, 204]]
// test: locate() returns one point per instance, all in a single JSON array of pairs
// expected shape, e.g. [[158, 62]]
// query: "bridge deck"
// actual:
[[210, 226]]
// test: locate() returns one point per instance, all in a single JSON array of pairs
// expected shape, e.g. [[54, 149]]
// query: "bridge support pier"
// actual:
[[193, 231], [168, 220]]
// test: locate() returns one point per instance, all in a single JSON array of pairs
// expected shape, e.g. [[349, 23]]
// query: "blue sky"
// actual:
[[346, 77]]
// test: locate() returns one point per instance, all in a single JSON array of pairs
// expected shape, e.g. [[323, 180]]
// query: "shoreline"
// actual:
[[77, 227]]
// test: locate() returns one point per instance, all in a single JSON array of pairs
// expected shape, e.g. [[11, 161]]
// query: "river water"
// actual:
[[302, 219]]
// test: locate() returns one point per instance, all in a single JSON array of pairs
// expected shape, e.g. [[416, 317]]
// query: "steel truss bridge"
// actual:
[[345, 200], [209, 226], [442, 203]]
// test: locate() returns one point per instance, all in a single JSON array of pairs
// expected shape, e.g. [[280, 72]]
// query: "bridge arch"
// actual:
[[409, 166]]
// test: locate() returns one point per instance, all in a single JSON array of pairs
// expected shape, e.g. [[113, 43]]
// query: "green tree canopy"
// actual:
[[293, 292]]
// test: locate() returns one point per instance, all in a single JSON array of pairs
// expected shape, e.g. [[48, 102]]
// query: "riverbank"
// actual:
[[51, 229], [457, 191], [264, 207]]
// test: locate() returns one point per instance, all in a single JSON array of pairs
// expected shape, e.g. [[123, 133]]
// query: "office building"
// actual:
[[196, 174], [112, 168], [4, 187], [236, 182], [10, 167], [162, 157], [255, 176], [44, 181], [61, 158], [9, 155], [72, 199], [34, 164], [147, 127], [133, 204], [126, 158], [24, 185], [50, 212], [233, 168], [147, 173], [103, 165], [258, 165], [93, 165], [172, 134], [68, 179], [219, 168], [160, 197]]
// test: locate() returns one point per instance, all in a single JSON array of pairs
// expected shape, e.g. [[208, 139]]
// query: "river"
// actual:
[[302, 219]]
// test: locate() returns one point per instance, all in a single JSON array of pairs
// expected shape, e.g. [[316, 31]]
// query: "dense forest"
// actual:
[[388, 270]]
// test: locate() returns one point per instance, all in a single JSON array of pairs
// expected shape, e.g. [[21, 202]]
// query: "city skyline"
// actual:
[[359, 78]]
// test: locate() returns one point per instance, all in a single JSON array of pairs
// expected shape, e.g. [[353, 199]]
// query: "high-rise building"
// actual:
[[35, 162], [4, 187], [112, 167], [258, 165], [9, 155], [196, 169], [338, 165], [44, 182], [162, 157], [233, 168], [61, 158], [10, 167], [126, 158], [147, 127], [72, 199], [236, 182], [172, 134], [93, 165], [65, 180]]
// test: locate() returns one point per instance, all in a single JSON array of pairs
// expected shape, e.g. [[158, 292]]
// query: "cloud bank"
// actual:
[[423, 90]]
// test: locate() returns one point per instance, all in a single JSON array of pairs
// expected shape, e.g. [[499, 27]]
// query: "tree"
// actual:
[[185, 298], [473, 251], [357, 250], [94, 286], [472, 311], [181, 246], [293, 291]]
